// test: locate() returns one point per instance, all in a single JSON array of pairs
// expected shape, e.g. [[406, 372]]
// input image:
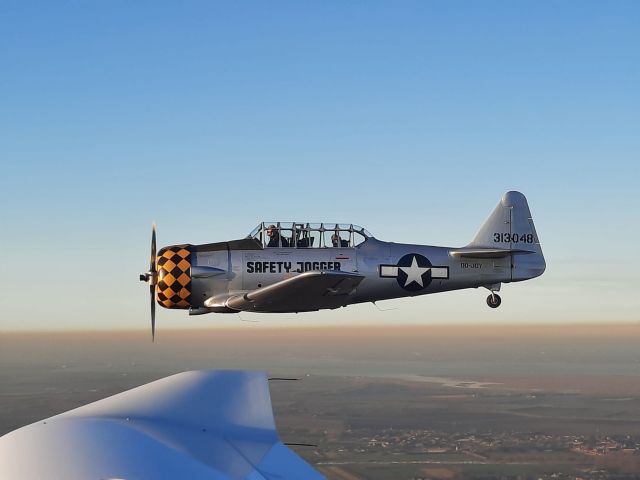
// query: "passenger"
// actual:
[[303, 242], [284, 241], [338, 242], [274, 237]]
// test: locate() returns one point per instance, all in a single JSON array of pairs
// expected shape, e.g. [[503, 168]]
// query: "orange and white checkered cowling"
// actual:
[[173, 289]]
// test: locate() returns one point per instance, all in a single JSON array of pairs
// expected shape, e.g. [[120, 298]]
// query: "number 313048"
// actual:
[[513, 238]]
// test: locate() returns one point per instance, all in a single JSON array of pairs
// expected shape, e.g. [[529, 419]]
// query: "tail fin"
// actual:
[[510, 227]]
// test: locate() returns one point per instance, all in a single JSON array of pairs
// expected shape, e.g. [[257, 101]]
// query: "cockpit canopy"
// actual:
[[309, 235]]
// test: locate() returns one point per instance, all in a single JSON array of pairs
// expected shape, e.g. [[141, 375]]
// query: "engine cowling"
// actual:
[[173, 266]]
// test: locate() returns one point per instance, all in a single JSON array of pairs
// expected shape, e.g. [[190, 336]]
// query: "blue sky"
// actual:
[[409, 118]]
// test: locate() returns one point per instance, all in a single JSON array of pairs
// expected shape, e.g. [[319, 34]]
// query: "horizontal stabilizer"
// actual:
[[485, 252]]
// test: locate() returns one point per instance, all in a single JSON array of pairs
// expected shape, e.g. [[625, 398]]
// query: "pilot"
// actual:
[[337, 242], [274, 237]]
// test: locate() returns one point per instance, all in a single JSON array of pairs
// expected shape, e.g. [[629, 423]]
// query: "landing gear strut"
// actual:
[[494, 300]]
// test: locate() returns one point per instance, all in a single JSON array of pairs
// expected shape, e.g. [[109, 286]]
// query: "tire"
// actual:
[[494, 300]]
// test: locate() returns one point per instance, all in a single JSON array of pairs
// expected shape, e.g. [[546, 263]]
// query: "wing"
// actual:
[[305, 292], [214, 425]]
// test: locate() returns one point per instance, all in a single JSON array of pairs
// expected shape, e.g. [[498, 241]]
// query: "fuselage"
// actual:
[[390, 270]]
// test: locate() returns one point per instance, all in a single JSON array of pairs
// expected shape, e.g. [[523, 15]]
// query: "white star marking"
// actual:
[[414, 273]]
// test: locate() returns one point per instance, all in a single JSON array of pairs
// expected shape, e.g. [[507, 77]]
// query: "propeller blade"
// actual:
[[152, 285], [153, 312], [152, 265]]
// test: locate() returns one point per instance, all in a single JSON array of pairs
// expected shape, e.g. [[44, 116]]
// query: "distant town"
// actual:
[[515, 449], [482, 445]]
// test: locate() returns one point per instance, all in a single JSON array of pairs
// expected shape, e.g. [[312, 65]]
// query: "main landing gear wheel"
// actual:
[[494, 300]]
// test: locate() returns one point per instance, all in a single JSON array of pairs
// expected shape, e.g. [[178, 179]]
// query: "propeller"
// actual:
[[151, 277]]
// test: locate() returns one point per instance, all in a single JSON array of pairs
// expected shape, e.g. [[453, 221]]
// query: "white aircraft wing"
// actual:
[[213, 425], [305, 292]]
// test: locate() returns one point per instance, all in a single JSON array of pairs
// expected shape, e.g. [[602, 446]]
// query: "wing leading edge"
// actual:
[[213, 425]]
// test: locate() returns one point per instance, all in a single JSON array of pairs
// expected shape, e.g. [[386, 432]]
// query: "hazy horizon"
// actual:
[[247, 327], [560, 349]]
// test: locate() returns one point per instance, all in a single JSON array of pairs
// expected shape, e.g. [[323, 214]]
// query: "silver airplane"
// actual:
[[300, 267]]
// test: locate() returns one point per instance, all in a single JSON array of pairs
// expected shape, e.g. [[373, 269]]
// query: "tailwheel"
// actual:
[[494, 300]]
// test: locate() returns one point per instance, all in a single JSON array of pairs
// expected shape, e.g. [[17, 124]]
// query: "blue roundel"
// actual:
[[414, 272]]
